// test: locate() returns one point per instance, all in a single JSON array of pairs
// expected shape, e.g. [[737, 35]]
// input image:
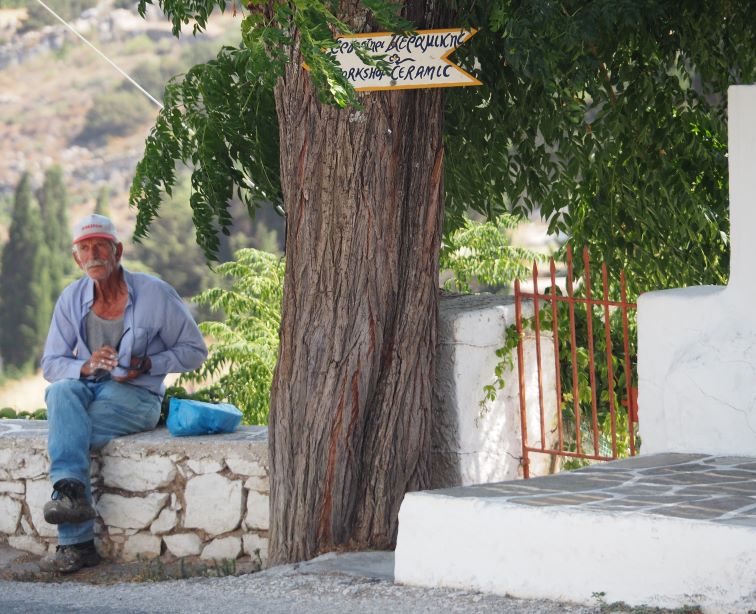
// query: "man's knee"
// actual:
[[64, 392]]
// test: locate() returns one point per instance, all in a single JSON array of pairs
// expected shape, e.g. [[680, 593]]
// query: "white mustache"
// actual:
[[92, 263]]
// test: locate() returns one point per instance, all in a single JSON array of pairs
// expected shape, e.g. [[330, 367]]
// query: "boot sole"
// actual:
[[54, 516]]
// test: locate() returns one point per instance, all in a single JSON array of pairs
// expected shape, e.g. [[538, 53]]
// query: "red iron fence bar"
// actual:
[[551, 302], [591, 353], [557, 371], [609, 364]]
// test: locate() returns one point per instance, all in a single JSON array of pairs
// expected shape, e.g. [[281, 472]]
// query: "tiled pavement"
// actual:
[[691, 486]]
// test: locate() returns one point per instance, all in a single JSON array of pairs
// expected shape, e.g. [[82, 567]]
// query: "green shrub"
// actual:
[[200, 51], [139, 44], [152, 75], [38, 17], [10, 414], [115, 113], [7, 412]]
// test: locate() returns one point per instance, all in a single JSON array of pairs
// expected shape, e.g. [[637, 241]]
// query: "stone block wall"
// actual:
[[191, 496]]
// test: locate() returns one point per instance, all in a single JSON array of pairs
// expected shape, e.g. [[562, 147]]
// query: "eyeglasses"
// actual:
[[123, 334]]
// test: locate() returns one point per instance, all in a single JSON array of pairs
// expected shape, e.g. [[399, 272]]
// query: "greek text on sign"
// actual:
[[416, 61]]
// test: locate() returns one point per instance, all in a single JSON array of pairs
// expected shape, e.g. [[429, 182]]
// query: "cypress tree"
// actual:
[[53, 203], [102, 206], [25, 305]]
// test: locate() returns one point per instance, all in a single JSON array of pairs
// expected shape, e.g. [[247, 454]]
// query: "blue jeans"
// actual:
[[83, 416]]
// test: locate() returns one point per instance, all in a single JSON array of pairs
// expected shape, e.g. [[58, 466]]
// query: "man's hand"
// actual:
[[104, 359], [139, 366]]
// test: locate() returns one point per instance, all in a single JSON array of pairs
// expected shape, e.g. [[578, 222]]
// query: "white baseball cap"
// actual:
[[94, 226]]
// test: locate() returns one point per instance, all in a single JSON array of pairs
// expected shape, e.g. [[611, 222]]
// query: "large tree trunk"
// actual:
[[351, 399]]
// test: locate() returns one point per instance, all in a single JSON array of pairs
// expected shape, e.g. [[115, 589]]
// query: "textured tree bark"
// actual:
[[351, 399]]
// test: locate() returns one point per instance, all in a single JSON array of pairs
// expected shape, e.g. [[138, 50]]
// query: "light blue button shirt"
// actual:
[[157, 324]]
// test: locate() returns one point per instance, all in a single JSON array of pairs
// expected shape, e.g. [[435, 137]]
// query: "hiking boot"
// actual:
[[69, 503], [68, 559]]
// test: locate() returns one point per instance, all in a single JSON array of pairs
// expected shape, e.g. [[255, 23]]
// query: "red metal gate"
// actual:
[[551, 301]]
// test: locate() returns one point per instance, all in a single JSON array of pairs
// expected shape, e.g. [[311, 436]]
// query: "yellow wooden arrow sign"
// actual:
[[420, 60]]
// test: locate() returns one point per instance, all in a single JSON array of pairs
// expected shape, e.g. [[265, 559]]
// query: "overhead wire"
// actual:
[[111, 62], [101, 54]]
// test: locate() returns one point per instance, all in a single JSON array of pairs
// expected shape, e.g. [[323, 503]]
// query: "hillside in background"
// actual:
[[50, 82], [61, 103]]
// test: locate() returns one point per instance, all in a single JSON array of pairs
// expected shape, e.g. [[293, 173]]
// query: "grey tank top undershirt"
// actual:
[[101, 331]]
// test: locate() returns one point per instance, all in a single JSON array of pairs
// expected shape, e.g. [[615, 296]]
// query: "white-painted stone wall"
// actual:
[[154, 493], [474, 443], [697, 346]]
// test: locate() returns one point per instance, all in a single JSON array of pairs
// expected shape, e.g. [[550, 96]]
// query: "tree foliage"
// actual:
[[25, 302], [245, 344], [607, 116], [165, 251], [610, 117], [218, 118]]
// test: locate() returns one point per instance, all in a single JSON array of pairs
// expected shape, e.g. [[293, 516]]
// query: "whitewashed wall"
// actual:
[[697, 346], [474, 444]]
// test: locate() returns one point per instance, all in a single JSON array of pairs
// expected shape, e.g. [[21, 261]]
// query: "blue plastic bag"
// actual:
[[188, 417]]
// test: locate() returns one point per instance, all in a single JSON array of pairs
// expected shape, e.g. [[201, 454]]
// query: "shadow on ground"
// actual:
[[23, 566]]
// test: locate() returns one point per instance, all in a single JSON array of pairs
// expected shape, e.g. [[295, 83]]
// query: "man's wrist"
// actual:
[[143, 366]]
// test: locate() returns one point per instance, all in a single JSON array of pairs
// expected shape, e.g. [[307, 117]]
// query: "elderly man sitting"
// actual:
[[113, 338]]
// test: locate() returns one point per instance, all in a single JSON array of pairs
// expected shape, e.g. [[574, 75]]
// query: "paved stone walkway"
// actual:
[[693, 486]]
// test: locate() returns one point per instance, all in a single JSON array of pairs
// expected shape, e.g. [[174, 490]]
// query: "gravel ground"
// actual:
[[298, 589]]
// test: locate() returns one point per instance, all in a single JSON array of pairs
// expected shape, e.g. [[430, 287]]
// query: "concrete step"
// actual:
[[664, 530]]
